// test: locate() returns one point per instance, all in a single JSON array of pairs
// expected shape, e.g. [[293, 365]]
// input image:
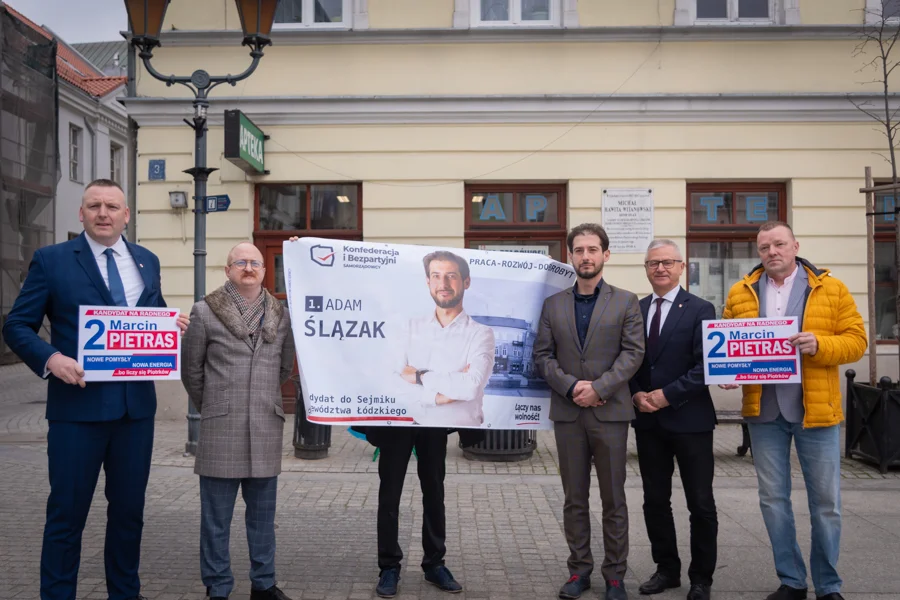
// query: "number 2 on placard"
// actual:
[[92, 343], [714, 353]]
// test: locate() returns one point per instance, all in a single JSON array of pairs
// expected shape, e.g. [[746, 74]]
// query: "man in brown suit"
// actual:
[[236, 354], [590, 343]]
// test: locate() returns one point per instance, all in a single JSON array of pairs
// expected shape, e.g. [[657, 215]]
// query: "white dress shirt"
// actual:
[[777, 296], [668, 301], [128, 270], [445, 352]]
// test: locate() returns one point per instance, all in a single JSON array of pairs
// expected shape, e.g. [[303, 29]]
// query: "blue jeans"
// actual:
[[819, 452], [217, 498]]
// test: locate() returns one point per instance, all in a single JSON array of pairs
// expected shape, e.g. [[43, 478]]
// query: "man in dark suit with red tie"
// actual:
[[675, 420], [95, 424]]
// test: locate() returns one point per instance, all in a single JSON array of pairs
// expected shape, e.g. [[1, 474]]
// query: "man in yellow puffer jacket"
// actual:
[[831, 334]]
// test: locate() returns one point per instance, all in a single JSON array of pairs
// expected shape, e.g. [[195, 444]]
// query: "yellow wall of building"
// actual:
[[512, 68], [614, 13], [410, 14], [200, 15], [832, 12], [413, 190]]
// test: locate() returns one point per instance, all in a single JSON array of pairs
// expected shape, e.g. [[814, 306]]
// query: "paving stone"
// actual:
[[504, 521]]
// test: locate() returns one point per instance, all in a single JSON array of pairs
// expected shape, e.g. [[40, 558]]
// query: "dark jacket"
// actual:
[[611, 354], [61, 278], [676, 367]]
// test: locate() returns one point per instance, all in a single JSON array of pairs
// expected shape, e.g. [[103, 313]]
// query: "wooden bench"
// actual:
[[734, 416]]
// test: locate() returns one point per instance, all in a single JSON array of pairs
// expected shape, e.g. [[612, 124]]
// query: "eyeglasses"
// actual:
[[242, 264], [667, 264]]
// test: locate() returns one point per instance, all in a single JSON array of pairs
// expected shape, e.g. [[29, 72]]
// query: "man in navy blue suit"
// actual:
[[675, 420], [108, 424]]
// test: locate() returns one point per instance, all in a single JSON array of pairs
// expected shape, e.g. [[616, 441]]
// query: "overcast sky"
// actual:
[[77, 21]]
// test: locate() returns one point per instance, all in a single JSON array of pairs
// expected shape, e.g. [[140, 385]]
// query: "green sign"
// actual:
[[244, 143]]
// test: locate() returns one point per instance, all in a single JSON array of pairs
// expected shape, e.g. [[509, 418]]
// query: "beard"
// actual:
[[589, 274], [451, 302]]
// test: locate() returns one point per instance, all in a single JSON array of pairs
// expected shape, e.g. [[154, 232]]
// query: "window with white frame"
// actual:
[[313, 13], [521, 13], [75, 153], [735, 10], [878, 9], [747, 12], [115, 163]]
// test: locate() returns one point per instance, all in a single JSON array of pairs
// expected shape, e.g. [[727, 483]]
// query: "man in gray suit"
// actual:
[[590, 343], [236, 354]]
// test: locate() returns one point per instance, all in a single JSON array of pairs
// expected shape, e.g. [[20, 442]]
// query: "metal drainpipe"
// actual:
[[131, 191]]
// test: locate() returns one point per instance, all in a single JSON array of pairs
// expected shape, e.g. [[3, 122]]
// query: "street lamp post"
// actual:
[[145, 19]]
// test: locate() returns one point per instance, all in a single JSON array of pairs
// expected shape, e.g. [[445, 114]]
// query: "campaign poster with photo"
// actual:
[[751, 351], [403, 335], [129, 344]]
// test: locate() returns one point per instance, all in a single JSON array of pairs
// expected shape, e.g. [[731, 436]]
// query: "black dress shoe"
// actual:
[[698, 591], [273, 593], [831, 596], [442, 578], [574, 587], [786, 592], [659, 583]]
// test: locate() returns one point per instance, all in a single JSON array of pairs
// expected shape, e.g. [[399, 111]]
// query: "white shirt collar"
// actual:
[[98, 249], [461, 318], [670, 295], [789, 280]]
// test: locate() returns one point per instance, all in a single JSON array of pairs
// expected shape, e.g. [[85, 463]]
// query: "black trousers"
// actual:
[[431, 450], [657, 449]]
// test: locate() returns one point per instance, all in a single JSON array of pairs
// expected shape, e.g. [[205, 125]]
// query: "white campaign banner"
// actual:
[[129, 344], [385, 339]]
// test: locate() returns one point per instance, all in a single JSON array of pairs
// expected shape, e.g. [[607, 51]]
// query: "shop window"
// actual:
[[284, 210], [723, 220], [321, 210], [517, 218], [885, 268]]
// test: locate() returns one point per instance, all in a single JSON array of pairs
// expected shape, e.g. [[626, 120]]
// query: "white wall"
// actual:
[[68, 192], [108, 120]]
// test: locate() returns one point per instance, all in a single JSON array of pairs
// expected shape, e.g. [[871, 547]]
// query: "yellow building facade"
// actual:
[[504, 123]]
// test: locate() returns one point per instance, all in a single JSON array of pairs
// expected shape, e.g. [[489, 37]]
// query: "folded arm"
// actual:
[[467, 385]]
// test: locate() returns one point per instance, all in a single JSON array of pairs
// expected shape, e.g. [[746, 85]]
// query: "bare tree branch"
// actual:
[[870, 114]]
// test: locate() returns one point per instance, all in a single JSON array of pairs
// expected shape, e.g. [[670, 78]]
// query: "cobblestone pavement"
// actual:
[[504, 521]]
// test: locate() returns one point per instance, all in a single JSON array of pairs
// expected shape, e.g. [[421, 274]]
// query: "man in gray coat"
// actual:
[[590, 343], [236, 354]]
